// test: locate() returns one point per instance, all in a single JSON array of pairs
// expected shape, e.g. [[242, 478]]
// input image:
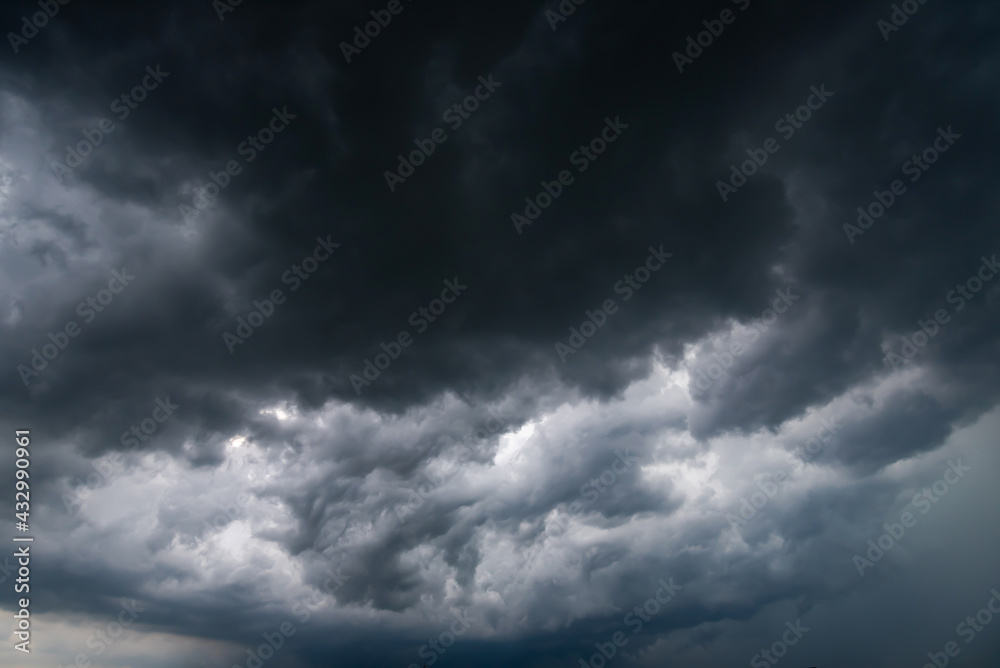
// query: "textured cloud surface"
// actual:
[[530, 332]]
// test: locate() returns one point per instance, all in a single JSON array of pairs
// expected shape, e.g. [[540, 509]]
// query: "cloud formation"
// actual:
[[195, 214]]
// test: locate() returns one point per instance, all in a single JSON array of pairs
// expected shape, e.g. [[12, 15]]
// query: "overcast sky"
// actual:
[[522, 333]]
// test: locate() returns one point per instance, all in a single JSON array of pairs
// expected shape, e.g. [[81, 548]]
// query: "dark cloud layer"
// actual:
[[492, 444]]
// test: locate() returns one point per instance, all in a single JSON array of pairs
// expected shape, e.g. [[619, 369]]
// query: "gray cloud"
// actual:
[[274, 471]]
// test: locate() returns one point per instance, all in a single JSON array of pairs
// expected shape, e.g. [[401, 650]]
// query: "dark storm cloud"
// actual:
[[373, 265], [344, 461]]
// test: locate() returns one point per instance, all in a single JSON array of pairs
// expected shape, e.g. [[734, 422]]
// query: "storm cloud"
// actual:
[[529, 332]]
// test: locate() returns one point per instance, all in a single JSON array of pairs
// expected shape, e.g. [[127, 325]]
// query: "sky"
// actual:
[[548, 334]]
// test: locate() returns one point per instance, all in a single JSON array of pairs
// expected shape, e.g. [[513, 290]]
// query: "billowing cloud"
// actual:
[[536, 333]]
